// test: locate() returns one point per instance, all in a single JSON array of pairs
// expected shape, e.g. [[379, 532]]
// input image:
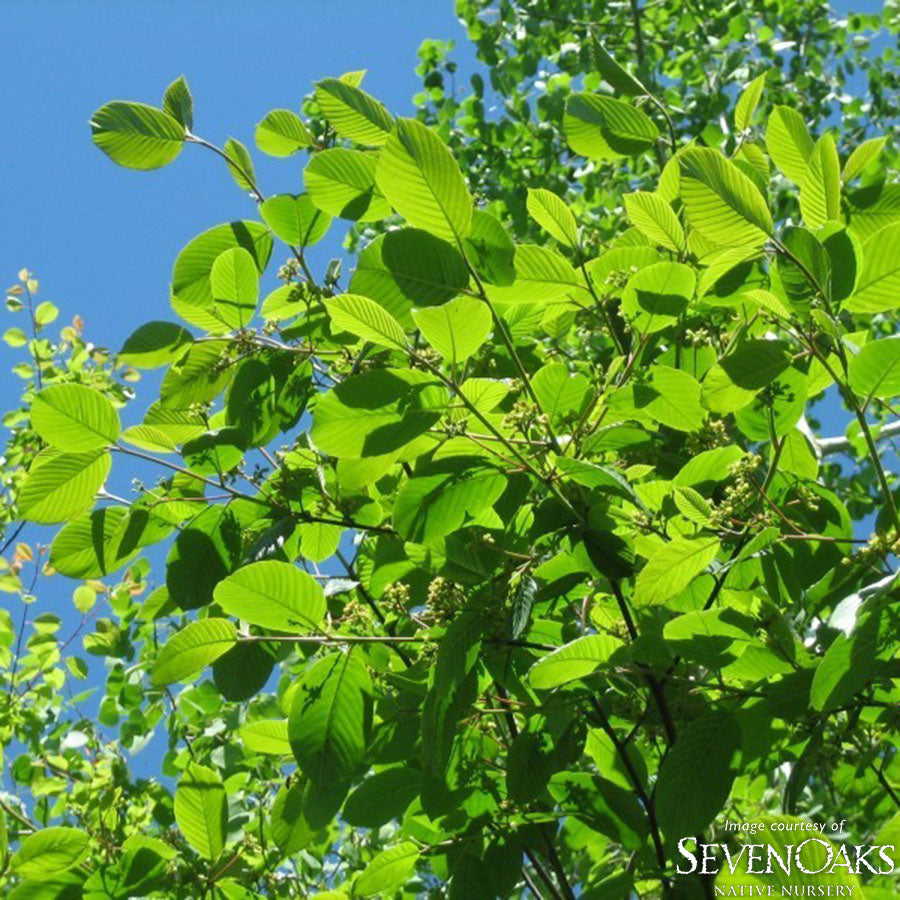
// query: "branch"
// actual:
[[841, 444]]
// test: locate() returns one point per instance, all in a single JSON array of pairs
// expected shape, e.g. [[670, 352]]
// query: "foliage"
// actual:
[[523, 556]]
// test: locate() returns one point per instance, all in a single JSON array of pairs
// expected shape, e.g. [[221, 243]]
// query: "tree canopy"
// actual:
[[518, 555]]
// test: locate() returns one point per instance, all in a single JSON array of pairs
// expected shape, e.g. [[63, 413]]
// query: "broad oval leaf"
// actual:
[[295, 219], [408, 268], [420, 178], [50, 851], [653, 216], [193, 648], [234, 284], [366, 319], [341, 182], [672, 568], [388, 871], [330, 718], [74, 418], [274, 595], [696, 775], [875, 370], [581, 657], [878, 287], [137, 136], [553, 215], [201, 809], [600, 127], [436, 502], [720, 201], [353, 113], [266, 736], [655, 297], [60, 486], [820, 191], [456, 329], [155, 344], [789, 143], [375, 413], [282, 133]]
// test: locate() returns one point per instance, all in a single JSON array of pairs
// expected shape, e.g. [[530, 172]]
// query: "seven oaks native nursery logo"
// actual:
[[809, 853]]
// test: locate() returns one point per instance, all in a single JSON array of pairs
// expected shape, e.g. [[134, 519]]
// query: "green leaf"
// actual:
[[240, 164], [452, 686], [60, 486], [295, 219], [155, 344], [529, 762], [656, 297], [436, 502], [50, 851], [190, 650], [382, 797], [101, 542], [864, 154], [559, 391], [615, 75], [274, 595], [421, 180], [366, 319], [376, 412], [789, 143], [600, 127], [74, 418], [201, 810], [190, 277], [696, 775], [234, 284], [669, 396], [542, 276], [242, 672], [875, 370], [291, 830], [577, 659], [388, 871], [178, 102], [720, 201], [553, 215], [672, 568], [692, 505], [820, 190], [408, 268], [747, 103], [456, 329], [330, 718], [266, 736], [652, 215], [352, 113], [490, 249], [737, 378], [282, 133], [848, 665], [137, 136], [198, 377], [341, 182], [204, 552], [878, 287]]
